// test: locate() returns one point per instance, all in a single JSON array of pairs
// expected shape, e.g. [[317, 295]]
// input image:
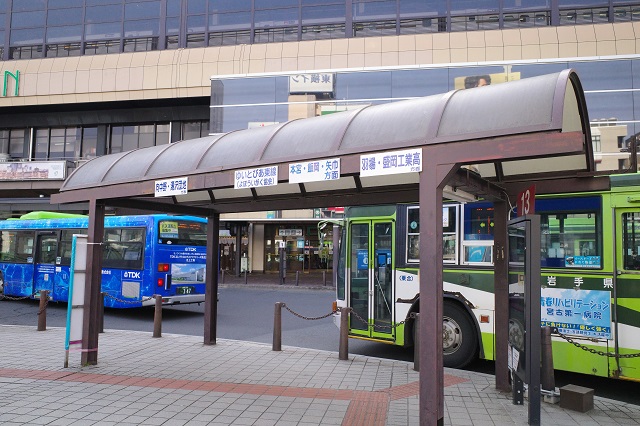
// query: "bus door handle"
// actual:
[[167, 281]]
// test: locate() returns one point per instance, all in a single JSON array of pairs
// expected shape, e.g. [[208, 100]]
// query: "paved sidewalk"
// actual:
[[176, 380]]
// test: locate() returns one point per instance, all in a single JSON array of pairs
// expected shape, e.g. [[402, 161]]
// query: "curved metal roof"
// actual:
[[551, 103]]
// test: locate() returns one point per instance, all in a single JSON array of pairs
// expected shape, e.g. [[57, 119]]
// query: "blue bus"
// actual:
[[142, 256]]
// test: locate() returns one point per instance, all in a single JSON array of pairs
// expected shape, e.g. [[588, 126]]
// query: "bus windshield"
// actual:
[[182, 233]]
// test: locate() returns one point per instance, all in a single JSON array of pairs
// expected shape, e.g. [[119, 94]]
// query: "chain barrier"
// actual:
[[5, 297], [132, 302], [378, 326], [592, 350], [308, 318]]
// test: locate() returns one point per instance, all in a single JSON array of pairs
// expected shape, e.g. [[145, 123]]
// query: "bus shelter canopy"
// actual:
[[536, 128]]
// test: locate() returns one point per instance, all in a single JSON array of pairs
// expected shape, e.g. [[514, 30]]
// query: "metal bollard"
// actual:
[[42, 310], [343, 351], [416, 341], [222, 277], [324, 278], [297, 278], [101, 313], [277, 327], [157, 317], [548, 381], [245, 276]]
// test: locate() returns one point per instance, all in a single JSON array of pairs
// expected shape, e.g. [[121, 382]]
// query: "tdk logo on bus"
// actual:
[[128, 274]]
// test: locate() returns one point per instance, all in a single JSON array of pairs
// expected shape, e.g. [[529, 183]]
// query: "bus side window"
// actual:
[[631, 240]]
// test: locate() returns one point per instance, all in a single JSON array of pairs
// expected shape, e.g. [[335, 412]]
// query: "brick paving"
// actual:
[[177, 380]]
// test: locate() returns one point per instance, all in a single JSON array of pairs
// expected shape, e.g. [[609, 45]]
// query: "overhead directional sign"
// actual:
[[391, 163], [256, 178], [168, 187], [314, 171]]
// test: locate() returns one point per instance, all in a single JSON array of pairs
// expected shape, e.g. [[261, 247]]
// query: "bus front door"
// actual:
[[45, 262], [371, 279]]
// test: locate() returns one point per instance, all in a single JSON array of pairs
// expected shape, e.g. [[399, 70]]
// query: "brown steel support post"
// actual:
[[431, 367], [211, 290], [92, 294], [238, 248], [501, 293]]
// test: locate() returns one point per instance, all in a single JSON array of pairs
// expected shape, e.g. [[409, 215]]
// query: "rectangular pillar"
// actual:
[[211, 289], [91, 321]]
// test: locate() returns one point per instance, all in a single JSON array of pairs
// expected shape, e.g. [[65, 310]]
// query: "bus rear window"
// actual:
[[123, 248], [571, 240], [182, 233]]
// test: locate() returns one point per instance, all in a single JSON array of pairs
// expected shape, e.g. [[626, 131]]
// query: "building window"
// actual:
[[63, 50], [474, 23], [12, 143], [596, 142], [65, 143], [584, 16], [229, 38], [196, 40], [527, 19], [173, 42], [274, 35], [194, 129], [25, 52], [374, 29], [127, 138], [101, 47], [141, 44], [418, 26], [322, 32]]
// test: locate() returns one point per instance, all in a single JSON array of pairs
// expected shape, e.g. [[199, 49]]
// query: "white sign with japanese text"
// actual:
[[256, 178], [314, 171], [311, 83], [169, 187], [391, 163]]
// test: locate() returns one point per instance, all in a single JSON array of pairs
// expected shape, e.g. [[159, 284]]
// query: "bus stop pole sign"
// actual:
[[524, 311]]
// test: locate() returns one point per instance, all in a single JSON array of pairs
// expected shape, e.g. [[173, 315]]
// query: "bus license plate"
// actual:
[[185, 290]]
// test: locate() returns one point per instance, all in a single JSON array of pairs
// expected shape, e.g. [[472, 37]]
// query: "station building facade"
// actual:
[[83, 78]]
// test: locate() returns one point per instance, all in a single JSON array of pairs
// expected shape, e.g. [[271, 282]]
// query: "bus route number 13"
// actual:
[[526, 201]]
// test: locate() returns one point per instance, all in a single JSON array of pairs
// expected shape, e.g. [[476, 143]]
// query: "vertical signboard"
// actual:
[[524, 311], [77, 282]]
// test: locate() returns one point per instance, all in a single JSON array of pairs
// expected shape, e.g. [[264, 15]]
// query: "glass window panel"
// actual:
[[142, 10], [533, 70], [64, 17], [466, 77], [141, 28], [270, 4], [612, 105], [409, 83], [56, 144], [604, 74], [17, 143], [423, 7], [229, 5], [526, 4], [326, 31], [162, 134], [570, 240], [60, 4], [237, 118], [197, 23], [4, 141], [581, 3], [191, 130], [145, 140], [28, 36], [27, 19], [24, 5], [471, 6], [42, 144], [374, 9], [129, 138], [196, 6], [366, 85], [103, 31], [220, 21], [89, 142], [276, 17], [97, 2], [103, 14], [320, 2], [72, 143], [173, 7], [173, 25], [3, 17], [320, 14], [62, 34]]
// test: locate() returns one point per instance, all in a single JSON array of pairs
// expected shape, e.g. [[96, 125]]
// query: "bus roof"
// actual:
[[48, 215]]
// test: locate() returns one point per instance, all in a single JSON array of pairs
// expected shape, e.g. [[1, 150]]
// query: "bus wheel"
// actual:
[[1, 283], [459, 339]]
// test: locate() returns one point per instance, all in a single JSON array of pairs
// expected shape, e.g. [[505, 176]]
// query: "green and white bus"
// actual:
[[590, 266]]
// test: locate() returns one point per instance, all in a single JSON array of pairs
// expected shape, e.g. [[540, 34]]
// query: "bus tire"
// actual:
[[1, 283], [459, 338]]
